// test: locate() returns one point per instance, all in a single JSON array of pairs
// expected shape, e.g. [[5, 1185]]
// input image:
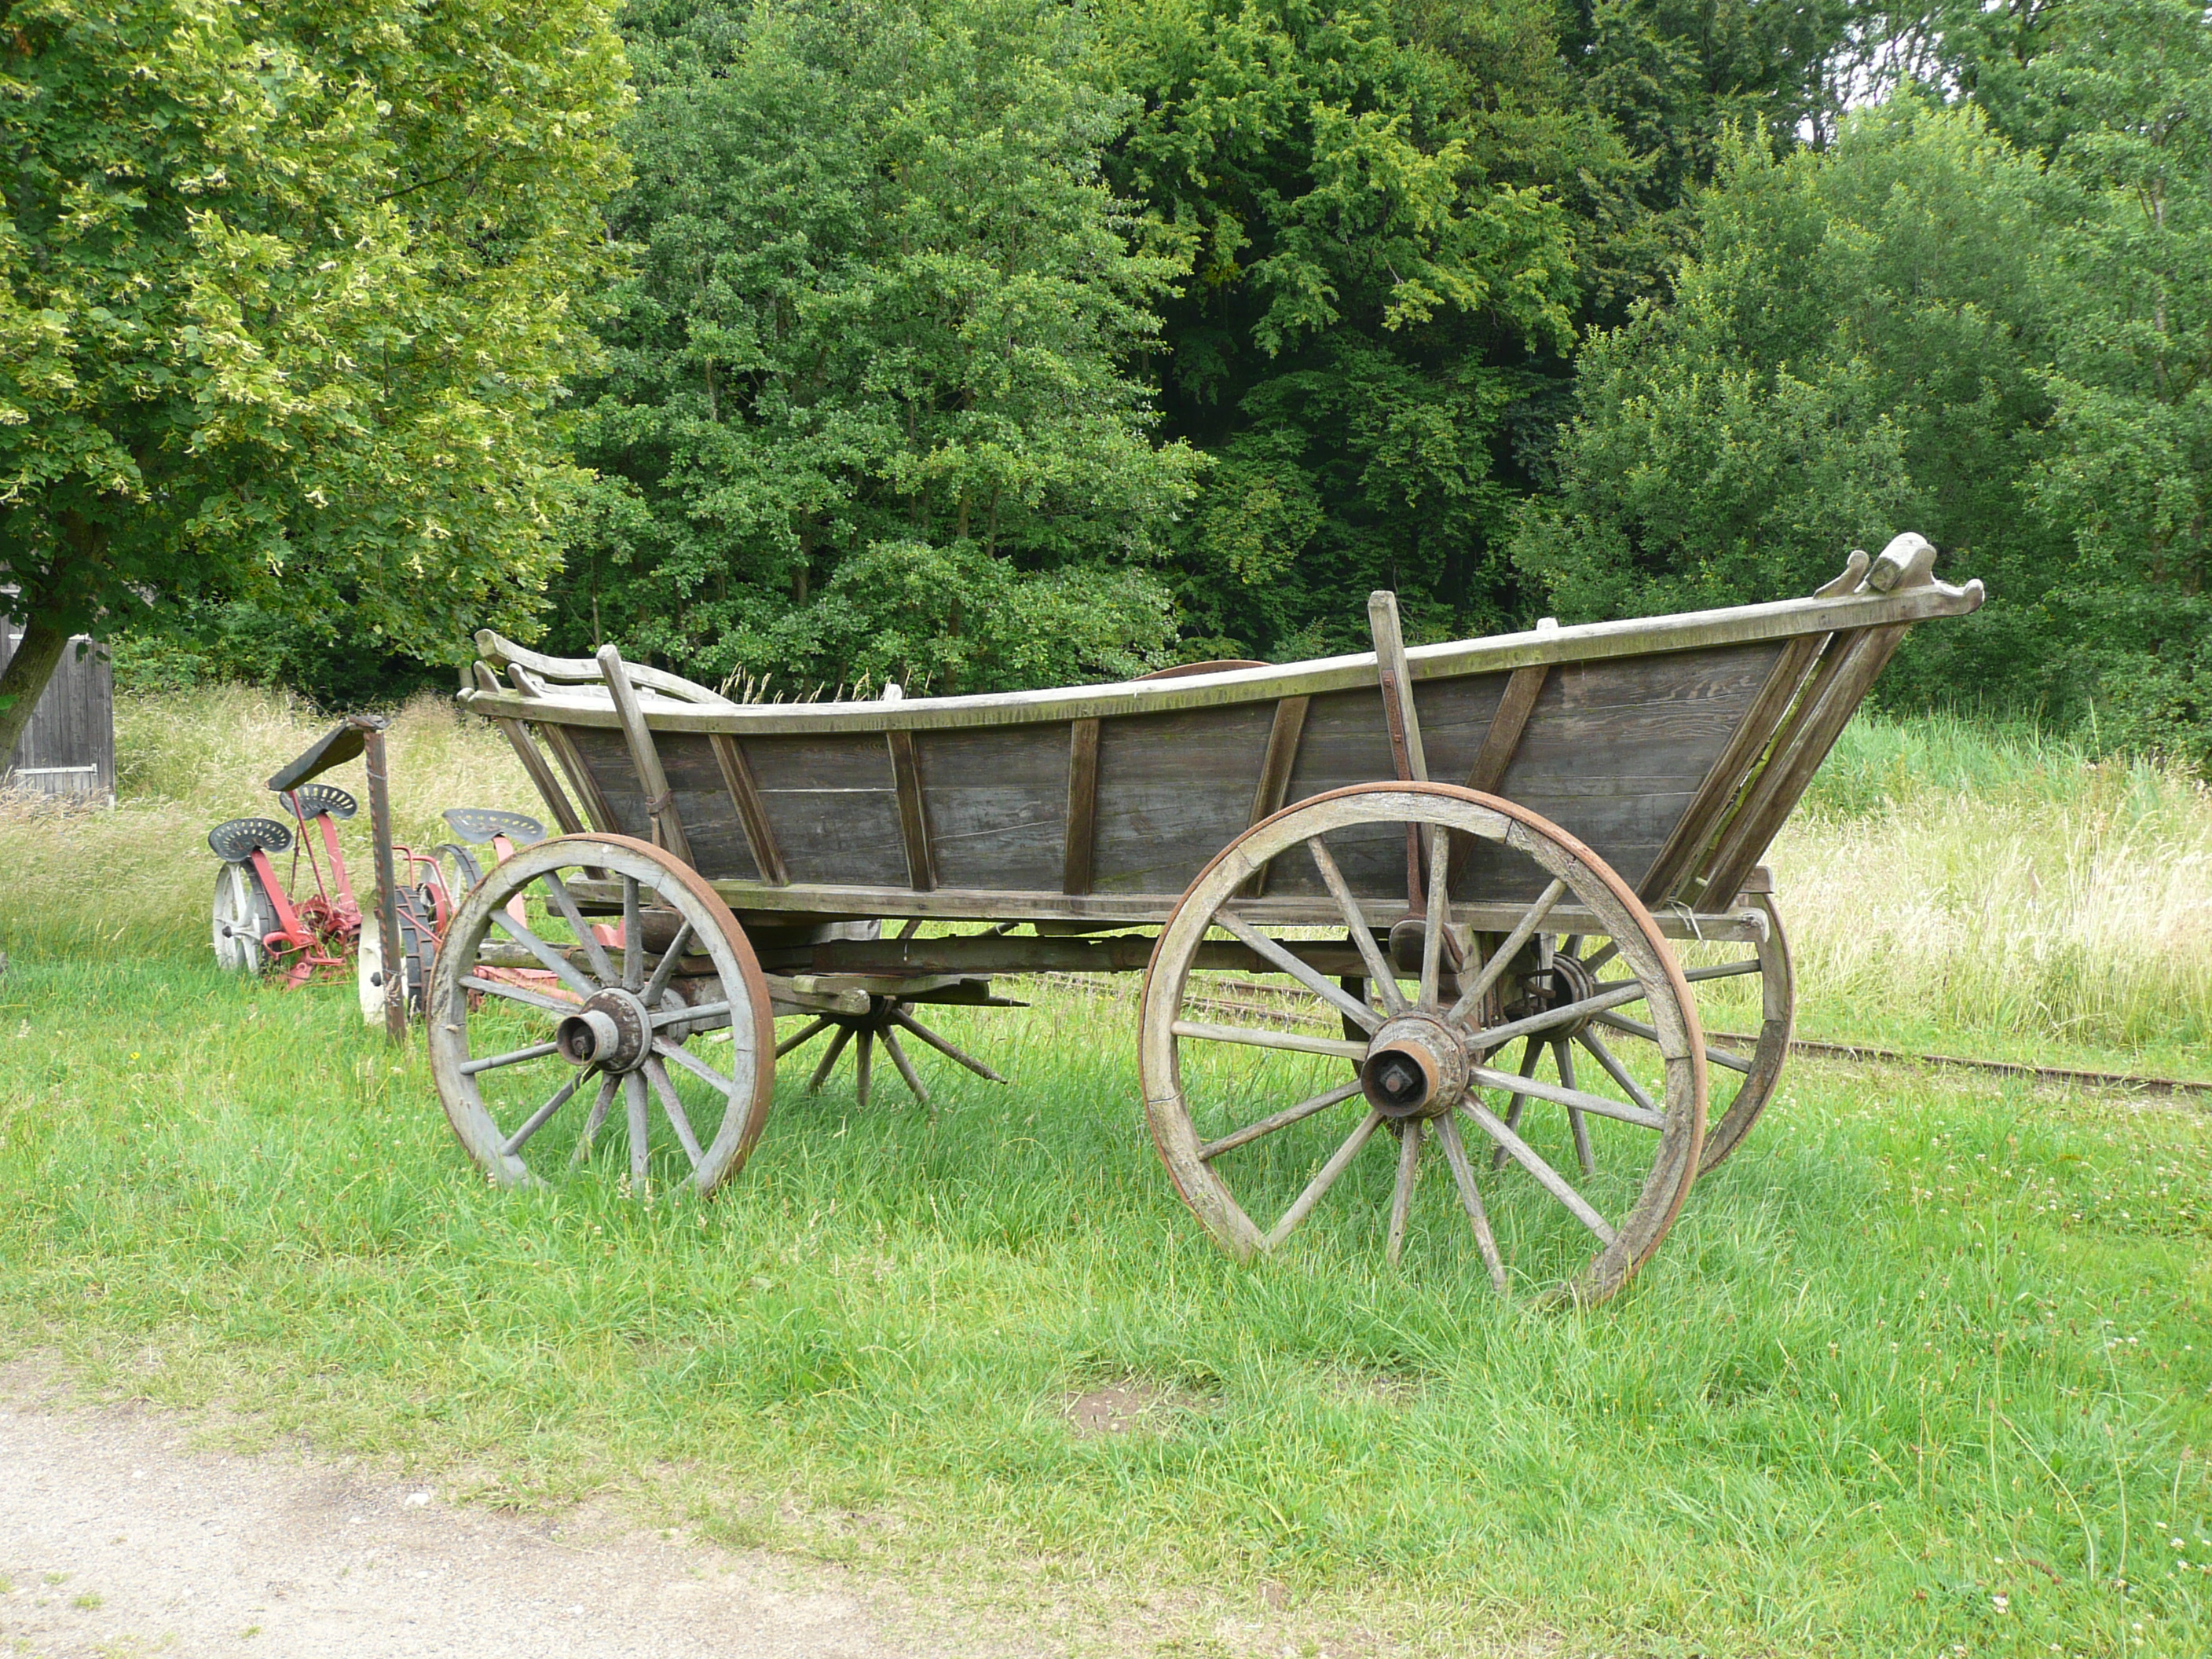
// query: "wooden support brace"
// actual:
[[598, 814], [518, 738], [1275, 773], [913, 815], [752, 811], [1507, 723], [659, 800], [1082, 806]]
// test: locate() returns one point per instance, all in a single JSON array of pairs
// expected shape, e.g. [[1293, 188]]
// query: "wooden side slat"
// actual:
[[1852, 665], [752, 811], [913, 816], [1082, 806], [1506, 726], [660, 802], [1396, 677], [1725, 777], [1275, 773], [533, 762]]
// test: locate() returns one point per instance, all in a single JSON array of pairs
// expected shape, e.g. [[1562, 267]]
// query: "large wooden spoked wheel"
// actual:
[[1263, 1133], [538, 1028]]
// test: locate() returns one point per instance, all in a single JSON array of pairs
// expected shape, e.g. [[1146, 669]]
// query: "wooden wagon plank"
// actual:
[[534, 763], [570, 757], [1079, 862], [752, 813], [1283, 734], [913, 812]]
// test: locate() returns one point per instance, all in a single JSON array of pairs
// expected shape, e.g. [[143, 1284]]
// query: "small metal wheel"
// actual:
[[885, 1018], [1258, 1124], [244, 916], [564, 1022], [418, 929]]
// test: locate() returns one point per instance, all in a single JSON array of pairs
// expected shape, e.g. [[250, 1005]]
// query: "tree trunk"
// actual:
[[38, 654]]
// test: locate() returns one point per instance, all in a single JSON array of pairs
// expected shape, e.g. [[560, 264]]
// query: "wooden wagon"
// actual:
[[1466, 895]]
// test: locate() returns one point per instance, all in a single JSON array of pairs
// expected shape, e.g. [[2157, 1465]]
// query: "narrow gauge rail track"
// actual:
[[2133, 1081]]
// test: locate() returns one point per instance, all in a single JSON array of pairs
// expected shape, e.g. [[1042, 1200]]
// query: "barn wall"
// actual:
[[69, 748]]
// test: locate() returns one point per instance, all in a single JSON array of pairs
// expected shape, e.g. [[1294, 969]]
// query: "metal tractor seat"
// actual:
[[235, 842], [316, 798], [478, 825]]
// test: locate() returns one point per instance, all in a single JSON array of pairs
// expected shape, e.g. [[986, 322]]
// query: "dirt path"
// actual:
[[117, 1540]]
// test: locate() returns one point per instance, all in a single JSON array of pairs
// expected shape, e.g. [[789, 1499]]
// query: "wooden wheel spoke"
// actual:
[[1574, 1099], [829, 1060], [1282, 1119], [814, 1029], [691, 1063], [657, 1074], [1337, 997], [1604, 1056], [1598, 958], [608, 1084], [666, 969], [538, 1119], [1436, 921], [633, 972], [1410, 1136], [1290, 1042], [1338, 1162], [595, 952], [1722, 1057], [641, 1124], [1549, 1178], [1566, 1013], [561, 967], [528, 999], [513, 1057], [1563, 1056], [906, 1071], [1530, 1051], [1470, 1199], [1724, 970], [1523, 930], [900, 1016], [705, 1011], [863, 1074], [1384, 977]]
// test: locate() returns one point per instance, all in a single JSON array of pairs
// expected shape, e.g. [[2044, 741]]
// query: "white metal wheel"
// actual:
[[1246, 1089], [541, 1022], [244, 917]]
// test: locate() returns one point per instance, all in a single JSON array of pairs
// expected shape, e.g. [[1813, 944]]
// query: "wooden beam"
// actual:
[[1275, 767], [914, 814], [518, 738], [1852, 665], [597, 813], [752, 811], [1724, 778], [1396, 677], [1507, 723], [659, 800], [1082, 806]]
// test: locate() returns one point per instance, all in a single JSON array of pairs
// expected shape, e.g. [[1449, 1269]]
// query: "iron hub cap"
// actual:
[[1415, 1067], [612, 1030]]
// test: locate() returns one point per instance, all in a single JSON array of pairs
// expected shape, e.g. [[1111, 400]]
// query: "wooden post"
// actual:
[[371, 727]]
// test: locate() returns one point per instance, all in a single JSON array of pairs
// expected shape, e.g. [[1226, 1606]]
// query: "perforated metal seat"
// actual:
[[479, 825], [319, 798], [234, 842]]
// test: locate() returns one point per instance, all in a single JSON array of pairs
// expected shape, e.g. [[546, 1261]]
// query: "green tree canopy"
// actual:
[[869, 409], [287, 288]]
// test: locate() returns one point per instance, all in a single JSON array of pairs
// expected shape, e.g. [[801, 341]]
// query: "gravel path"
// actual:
[[115, 1540]]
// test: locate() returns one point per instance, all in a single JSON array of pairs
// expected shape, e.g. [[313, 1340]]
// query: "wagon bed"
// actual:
[[1485, 811]]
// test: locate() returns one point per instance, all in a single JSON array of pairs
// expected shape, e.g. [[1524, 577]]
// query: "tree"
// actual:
[[288, 289], [868, 409]]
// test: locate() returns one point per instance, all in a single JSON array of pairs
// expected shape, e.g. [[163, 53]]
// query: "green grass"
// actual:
[[1924, 1343], [1928, 1341]]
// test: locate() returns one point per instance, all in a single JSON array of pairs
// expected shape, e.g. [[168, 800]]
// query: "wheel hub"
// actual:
[[612, 1030], [1564, 982], [1415, 1067]]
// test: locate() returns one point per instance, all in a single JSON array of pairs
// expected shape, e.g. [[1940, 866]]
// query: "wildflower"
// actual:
[[2002, 1603]]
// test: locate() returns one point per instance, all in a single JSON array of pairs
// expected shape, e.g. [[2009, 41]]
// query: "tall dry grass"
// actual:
[[1939, 876], [78, 880]]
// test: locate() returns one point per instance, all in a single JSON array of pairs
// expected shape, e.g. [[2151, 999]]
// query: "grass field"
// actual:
[[1926, 1369]]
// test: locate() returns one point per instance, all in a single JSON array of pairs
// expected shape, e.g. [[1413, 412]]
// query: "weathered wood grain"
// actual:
[[1503, 736], [534, 763], [659, 805], [1284, 733], [752, 816], [913, 810], [997, 798], [833, 807], [1078, 864], [1173, 790]]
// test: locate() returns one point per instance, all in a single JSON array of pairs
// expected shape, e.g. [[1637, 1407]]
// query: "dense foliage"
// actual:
[[992, 343], [286, 290]]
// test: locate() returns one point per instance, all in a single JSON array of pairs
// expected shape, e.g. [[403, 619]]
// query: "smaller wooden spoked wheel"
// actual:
[[1246, 1089], [538, 1026]]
